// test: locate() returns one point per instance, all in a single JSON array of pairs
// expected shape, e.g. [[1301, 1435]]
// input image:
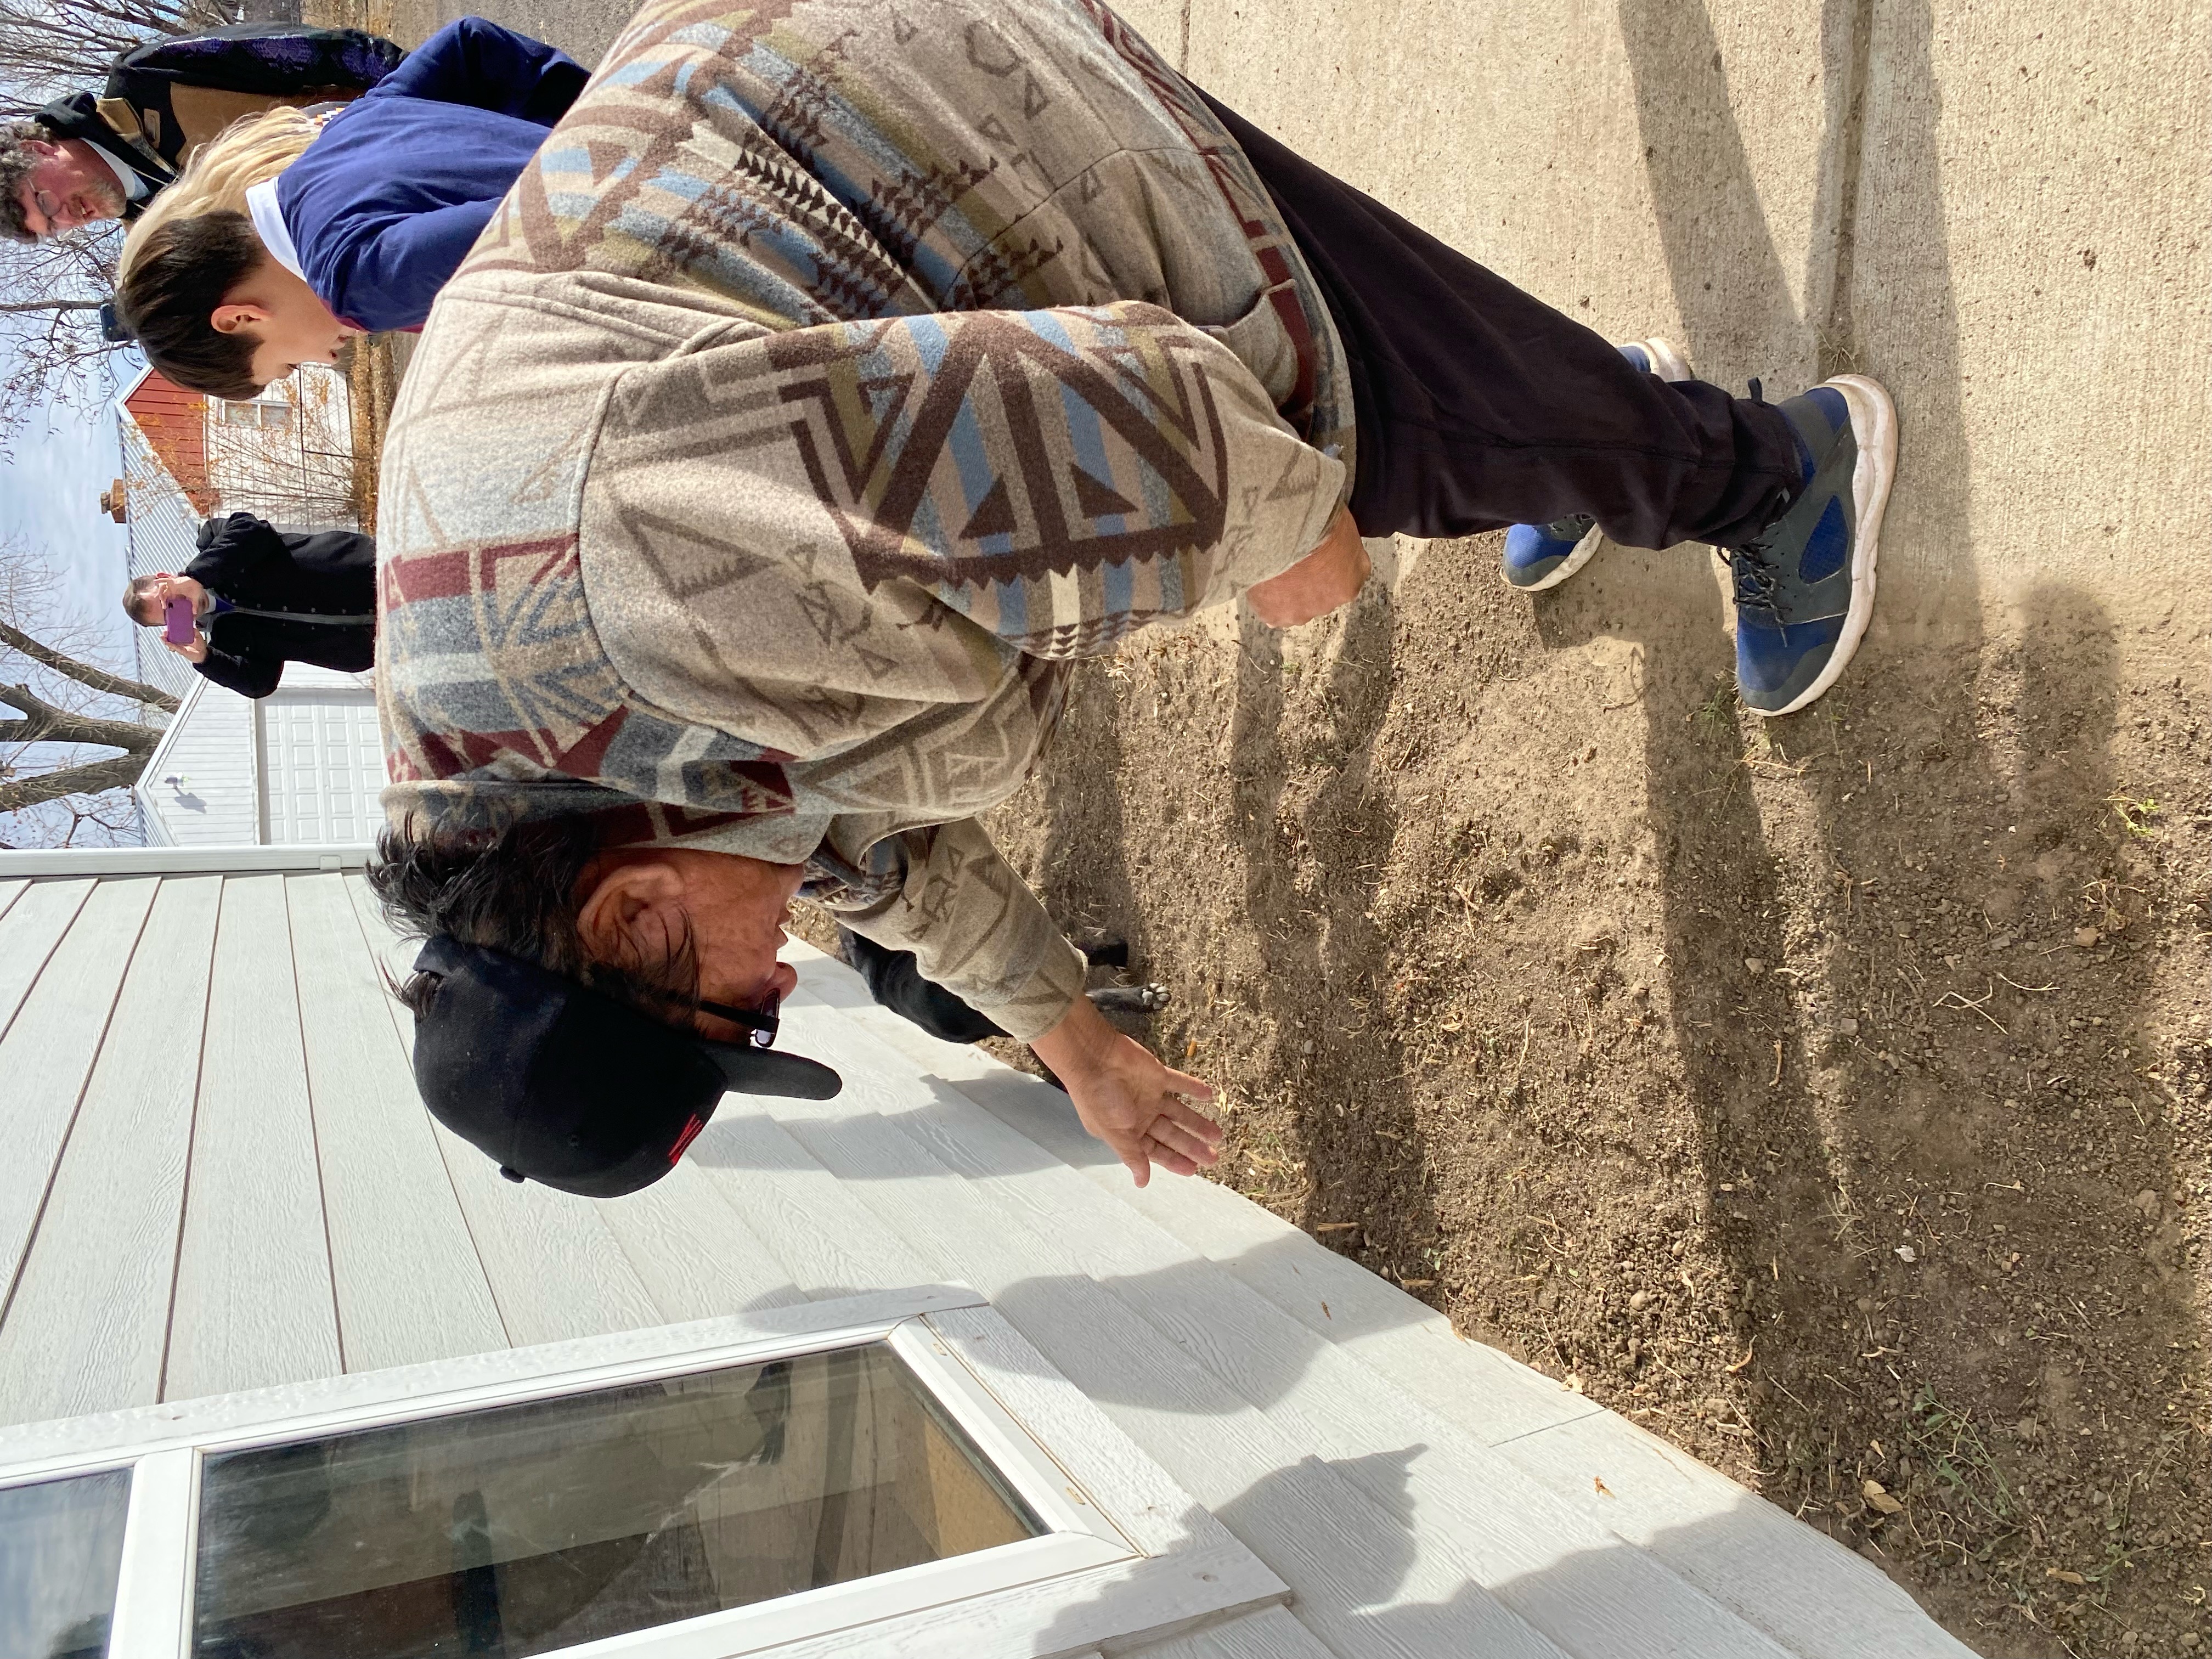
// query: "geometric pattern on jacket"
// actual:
[[837, 372]]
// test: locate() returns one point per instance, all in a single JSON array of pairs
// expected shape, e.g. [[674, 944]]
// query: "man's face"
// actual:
[[289, 325], [165, 587], [738, 907], [68, 186], [638, 905]]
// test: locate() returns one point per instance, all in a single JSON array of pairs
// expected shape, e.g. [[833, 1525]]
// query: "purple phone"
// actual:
[[180, 629]]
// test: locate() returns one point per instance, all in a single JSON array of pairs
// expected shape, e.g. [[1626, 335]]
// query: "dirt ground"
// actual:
[[1828, 1094], [1831, 1096]]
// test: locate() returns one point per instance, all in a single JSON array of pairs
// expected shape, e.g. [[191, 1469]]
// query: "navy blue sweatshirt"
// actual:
[[386, 203]]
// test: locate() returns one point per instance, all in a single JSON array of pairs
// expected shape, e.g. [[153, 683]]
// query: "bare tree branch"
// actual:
[[85, 673], [44, 723], [12, 306], [117, 772], [57, 787], [52, 350]]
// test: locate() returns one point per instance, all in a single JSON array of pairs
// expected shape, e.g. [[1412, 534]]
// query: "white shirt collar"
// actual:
[[135, 189], [268, 225]]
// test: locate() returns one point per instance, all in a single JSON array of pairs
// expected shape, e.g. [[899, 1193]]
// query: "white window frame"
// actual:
[[1125, 1553]]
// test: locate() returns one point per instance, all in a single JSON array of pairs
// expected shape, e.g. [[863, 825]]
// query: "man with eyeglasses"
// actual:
[[835, 377], [83, 159]]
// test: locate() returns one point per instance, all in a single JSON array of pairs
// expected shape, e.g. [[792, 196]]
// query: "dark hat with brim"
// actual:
[[561, 1085]]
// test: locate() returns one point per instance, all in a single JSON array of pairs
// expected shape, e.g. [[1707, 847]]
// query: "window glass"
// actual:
[[61, 1546], [526, 1528]]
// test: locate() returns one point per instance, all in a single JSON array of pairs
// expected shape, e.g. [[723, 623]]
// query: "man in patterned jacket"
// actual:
[[843, 369]]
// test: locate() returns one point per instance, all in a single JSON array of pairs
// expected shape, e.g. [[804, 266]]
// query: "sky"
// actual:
[[50, 495]]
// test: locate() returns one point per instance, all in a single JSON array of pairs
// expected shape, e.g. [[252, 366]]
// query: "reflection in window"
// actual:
[[526, 1528], [61, 1548]]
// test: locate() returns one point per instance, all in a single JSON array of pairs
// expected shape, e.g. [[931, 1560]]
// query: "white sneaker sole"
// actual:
[[1874, 423], [1667, 364]]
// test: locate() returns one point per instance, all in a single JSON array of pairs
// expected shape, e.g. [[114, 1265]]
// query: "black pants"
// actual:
[[1477, 406], [895, 980]]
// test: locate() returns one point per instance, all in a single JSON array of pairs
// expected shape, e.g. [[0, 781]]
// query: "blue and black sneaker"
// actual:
[[1541, 555], [1804, 585]]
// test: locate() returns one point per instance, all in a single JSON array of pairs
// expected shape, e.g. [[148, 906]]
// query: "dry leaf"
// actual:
[[2064, 1576], [1574, 1383], [1879, 1499], [1417, 1283], [1189, 1048], [1603, 1491]]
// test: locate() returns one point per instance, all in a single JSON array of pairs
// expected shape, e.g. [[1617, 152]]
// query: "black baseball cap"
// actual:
[[559, 1083]]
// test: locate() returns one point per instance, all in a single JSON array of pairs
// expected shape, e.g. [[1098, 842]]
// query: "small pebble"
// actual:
[[1753, 966], [1640, 1301], [1847, 1027]]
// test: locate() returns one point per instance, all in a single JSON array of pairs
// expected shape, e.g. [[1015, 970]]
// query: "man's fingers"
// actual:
[[1182, 1083], [1183, 1116], [1177, 1141], [1138, 1164]]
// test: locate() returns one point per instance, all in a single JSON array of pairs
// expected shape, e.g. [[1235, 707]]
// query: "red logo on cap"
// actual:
[[691, 1134]]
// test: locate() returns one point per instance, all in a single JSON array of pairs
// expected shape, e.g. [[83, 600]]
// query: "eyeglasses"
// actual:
[[760, 1023], [49, 210]]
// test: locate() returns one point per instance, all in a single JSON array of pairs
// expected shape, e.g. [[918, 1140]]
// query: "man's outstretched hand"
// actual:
[[1326, 578], [1126, 1098]]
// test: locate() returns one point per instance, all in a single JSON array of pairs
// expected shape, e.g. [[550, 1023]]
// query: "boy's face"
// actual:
[[289, 325], [68, 186]]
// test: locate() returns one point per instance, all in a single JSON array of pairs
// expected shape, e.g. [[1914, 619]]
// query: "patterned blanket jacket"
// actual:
[[839, 372]]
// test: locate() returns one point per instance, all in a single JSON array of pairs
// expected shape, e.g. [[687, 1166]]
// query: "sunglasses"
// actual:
[[760, 1023]]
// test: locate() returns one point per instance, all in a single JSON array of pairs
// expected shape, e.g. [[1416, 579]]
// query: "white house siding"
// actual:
[[235, 1170], [199, 786]]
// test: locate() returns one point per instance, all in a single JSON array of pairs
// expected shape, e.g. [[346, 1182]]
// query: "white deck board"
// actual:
[[409, 1286], [1810, 1592], [1271, 1633], [9, 892], [32, 927], [1569, 1577], [87, 1324], [1364, 1583], [694, 1253], [254, 1303], [562, 1267], [49, 1051], [1485, 1392], [1733, 1546], [828, 1242]]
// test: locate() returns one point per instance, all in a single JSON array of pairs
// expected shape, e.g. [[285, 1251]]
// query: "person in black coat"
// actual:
[[264, 597], [82, 158]]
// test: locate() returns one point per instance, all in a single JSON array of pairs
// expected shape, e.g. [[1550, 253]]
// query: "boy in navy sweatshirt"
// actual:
[[291, 232]]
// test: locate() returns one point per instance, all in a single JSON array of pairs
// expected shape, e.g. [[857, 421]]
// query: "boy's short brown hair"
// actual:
[[136, 594], [177, 281]]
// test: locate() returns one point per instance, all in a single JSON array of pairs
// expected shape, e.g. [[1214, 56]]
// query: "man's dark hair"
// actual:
[[17, 158], [514, 890], [136, 592], [175, 283]]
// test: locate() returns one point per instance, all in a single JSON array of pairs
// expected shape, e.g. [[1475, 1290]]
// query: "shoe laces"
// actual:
[[1757, 580]]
